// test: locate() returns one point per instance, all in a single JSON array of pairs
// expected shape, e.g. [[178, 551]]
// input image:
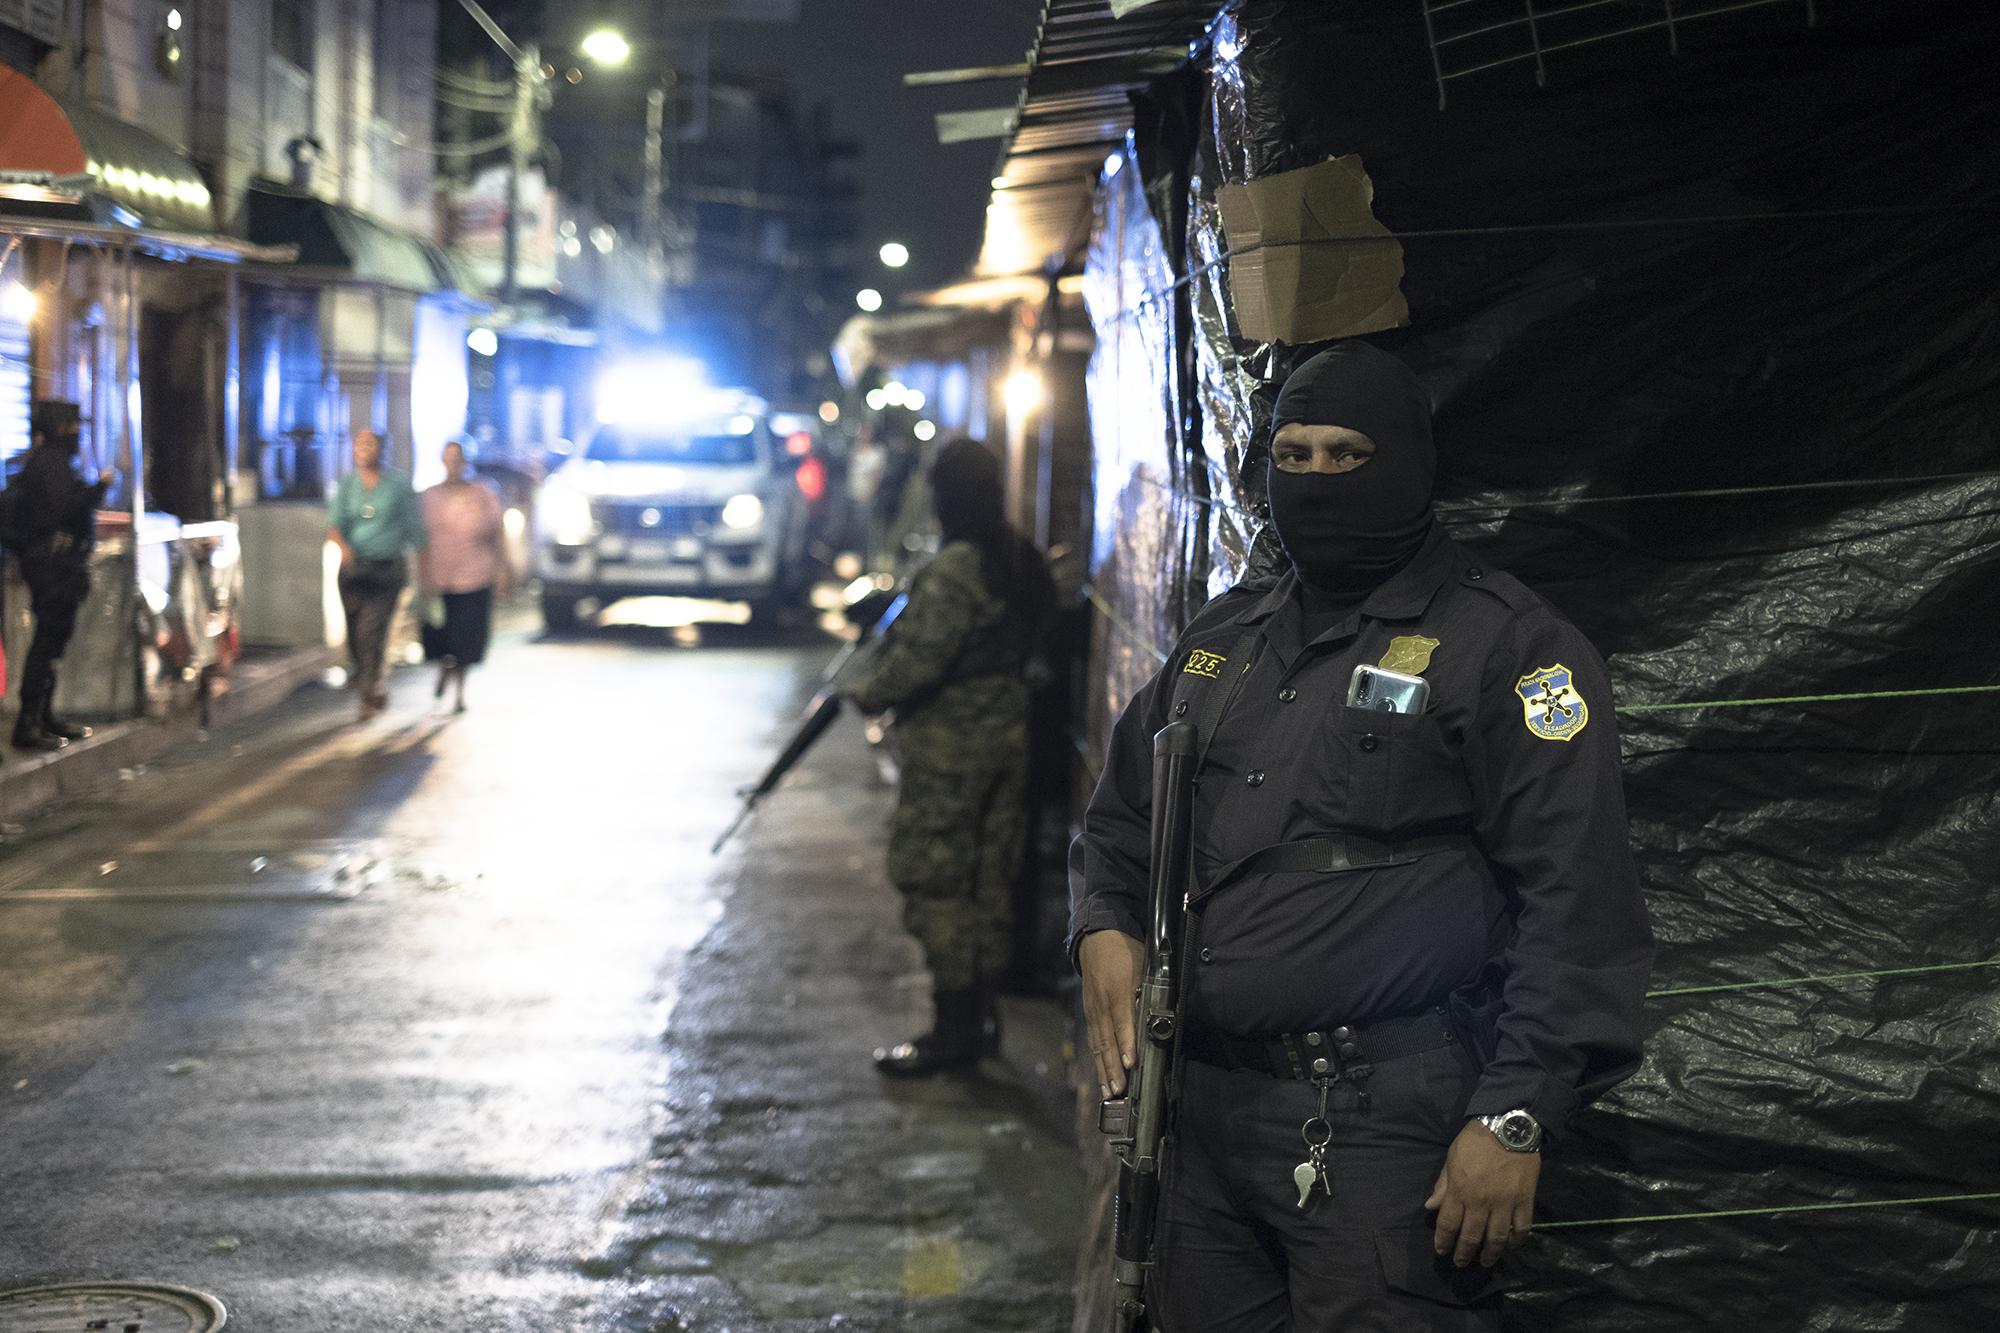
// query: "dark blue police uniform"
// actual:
[[1492, 844]]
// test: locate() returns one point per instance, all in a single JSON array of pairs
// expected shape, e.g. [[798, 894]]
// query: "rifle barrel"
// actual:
[[1136, 1203]]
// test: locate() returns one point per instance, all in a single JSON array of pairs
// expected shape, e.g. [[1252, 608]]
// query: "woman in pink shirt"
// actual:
[[464, 562]]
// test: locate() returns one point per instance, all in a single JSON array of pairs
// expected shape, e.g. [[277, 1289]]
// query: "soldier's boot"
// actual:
[[28, 731], [953, 1043], [56, 726]]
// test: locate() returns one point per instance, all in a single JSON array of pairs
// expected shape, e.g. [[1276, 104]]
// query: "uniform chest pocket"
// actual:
[[1395, 764]]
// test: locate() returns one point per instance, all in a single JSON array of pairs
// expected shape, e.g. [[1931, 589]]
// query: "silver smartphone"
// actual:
[[1382, 691]]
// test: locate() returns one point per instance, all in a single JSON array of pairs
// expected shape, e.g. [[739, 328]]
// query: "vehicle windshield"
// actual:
[[625, 444]]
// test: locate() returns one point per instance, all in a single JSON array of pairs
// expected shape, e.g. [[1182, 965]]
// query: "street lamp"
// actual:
[[606, 46], [868, 299], [895, 254]]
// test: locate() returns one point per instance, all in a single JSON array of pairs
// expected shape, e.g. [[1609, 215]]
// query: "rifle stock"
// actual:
[[1138, 1121]]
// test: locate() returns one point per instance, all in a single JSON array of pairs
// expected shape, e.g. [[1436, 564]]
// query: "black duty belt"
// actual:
[[1328, 1053]]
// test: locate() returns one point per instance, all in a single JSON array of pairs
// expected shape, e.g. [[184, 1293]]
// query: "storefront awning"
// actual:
[[103, 168], [346, 241]]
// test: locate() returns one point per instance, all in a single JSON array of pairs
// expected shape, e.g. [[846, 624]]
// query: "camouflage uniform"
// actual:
[[952, 670]]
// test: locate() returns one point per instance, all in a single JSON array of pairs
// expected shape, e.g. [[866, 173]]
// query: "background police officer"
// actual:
[[1421, 944], [54, 517]]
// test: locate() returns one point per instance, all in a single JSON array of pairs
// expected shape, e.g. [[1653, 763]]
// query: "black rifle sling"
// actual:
[[1214, 703]]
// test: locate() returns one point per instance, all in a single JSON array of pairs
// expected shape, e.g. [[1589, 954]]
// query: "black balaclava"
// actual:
[[1348, 532], [970, 502], [966, 493]]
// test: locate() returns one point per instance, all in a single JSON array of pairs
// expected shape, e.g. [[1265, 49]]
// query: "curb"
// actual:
[[29, 784]]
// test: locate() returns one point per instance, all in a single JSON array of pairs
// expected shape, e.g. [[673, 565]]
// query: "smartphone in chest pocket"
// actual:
[[1381, 691]]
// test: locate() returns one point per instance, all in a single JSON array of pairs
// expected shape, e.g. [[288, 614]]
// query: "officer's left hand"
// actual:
[[1484, 1197]]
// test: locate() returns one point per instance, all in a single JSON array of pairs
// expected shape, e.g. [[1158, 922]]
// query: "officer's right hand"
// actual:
[[1111, 962]]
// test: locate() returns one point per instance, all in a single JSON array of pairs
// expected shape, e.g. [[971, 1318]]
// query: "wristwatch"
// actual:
[[1516, 1129]]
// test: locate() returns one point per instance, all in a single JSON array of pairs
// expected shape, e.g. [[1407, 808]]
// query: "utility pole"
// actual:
[[656, 182], [523, 132]]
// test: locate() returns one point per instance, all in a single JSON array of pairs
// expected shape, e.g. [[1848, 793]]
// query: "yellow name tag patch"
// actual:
[[1203, 663]]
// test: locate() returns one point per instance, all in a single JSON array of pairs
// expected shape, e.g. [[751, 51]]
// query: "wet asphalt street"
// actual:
[[446, 1023]]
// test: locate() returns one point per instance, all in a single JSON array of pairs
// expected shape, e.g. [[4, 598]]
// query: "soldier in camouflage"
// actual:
[[953, 671]]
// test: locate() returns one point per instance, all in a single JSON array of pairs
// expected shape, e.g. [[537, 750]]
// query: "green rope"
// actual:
[[1810, 698], [1144, 641], [1828, 976], [1771, 1211]]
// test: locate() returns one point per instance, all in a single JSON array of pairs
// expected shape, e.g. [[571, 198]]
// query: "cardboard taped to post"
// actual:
[[1309, 261]]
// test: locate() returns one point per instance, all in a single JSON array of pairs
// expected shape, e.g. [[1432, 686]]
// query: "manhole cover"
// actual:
[[109, 1307]]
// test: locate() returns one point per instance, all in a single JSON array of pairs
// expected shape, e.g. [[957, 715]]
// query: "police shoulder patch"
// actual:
[[1201, 662], [1549, 700]]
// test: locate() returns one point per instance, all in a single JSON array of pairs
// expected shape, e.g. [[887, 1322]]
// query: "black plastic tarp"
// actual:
[[1712, 342]]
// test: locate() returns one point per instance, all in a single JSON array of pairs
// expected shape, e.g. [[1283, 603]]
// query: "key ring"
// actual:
[[1325, 1132]]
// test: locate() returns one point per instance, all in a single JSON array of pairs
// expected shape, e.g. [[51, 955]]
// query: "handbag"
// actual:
[[430, 629]]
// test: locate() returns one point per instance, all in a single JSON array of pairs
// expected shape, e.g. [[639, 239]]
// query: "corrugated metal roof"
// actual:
[[1073, 110]]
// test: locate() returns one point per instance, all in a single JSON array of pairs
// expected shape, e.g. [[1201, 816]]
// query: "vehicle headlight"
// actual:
[[563, 513], [743, 511]]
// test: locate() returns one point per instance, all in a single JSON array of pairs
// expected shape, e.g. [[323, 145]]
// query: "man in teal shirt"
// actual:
[[375, 522]]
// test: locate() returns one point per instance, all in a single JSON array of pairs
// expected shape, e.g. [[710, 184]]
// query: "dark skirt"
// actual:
[[468, 623]]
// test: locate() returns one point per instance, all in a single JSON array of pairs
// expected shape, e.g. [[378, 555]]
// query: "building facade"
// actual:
[[216, 224]]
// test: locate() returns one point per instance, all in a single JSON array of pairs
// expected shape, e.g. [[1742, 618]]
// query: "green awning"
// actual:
[[346, 240]]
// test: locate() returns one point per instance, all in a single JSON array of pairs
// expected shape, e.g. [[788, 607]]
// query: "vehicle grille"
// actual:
[[628, 519]]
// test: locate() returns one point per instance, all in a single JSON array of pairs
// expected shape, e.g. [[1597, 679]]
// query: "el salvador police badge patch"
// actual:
[[1555, 711], [1203, 663]]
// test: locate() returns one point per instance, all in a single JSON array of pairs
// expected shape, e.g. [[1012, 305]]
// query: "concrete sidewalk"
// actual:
[[29, 783], [791, 1187]]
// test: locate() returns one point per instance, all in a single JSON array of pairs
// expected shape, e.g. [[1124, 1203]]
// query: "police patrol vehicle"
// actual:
[[710, 494]]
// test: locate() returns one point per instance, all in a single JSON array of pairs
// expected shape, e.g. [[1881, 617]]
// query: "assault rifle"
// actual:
[[874, 612], [1137, 1121]]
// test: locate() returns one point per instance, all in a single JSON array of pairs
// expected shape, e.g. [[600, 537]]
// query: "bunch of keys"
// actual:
[[1310, 1174]]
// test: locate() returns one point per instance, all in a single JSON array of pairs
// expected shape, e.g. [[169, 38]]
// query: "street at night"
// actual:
[[999, 666], [452, 1022]]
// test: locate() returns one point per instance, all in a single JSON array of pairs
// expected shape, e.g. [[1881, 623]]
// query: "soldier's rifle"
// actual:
[[873, 614], [1138, 1121]]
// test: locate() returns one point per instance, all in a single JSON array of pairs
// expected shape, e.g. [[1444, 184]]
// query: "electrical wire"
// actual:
[[473, 146]]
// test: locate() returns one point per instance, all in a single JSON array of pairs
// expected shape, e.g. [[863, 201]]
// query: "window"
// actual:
[[387, 73], [639, 446], [291, 31]]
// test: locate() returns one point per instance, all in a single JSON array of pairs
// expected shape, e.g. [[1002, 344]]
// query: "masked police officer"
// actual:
[[1420, 943], [54, 515]]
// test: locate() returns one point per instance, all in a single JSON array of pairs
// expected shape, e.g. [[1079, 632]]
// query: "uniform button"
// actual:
[[1320, 1066], [1180, 709], [1368, 744], [1475, 572], [1256, 778], [1342, 1034], [1348, 1051], [1287, 694], [1312, 1038], [1207, 955]]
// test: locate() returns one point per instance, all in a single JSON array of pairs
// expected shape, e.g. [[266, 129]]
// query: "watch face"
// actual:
[[1516, 1130]]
